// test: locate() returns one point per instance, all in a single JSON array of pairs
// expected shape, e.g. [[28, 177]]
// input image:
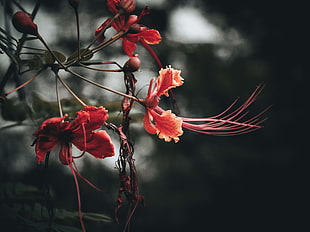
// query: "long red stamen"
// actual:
[[151, 51], [228, 123], [78, 196], [86, 180]]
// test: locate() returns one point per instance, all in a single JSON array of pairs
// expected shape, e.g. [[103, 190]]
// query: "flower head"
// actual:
[[115, 6], [157, 121], [135, 32], [168, 126], [79, 132]]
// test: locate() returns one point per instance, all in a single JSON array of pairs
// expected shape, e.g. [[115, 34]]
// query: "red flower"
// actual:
[[168, 126], [136, 32], [126, 5], [79, 132]]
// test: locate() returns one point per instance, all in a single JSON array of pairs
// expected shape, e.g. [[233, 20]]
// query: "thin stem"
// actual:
[[70, 91], [99, 69], [50, 51], [104, 87], [83, 78], [108, 42], [25, 83], [78, 31], [58, 99], [107, 26], [91, 62]]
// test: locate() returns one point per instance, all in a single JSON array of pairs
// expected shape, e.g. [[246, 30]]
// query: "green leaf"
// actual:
[[97, 217], [49, 58]]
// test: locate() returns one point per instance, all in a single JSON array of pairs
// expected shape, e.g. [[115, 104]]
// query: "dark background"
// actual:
[[254, 182]]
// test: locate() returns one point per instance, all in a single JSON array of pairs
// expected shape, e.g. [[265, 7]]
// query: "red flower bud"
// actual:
[[74, 3], [127, 5], [24, 24], [132, 19], [132, 64]]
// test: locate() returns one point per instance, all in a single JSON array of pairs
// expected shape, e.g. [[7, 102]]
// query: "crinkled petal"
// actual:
[[168, 78], [47, 136], [129, 47], [150, 36], [167, 125], [148, 124], [44, 145], [98, 144], [90, 117]]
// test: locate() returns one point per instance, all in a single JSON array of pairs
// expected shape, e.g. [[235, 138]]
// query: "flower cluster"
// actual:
[[85, 131]]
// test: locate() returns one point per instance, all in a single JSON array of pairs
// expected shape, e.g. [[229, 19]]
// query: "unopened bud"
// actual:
[[127, 5], [24, 24], [74, 3], [132, 64], [132, 19]]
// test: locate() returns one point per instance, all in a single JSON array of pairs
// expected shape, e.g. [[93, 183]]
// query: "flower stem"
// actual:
[[69, 90], [84, 78], [25, 83], [58, 99], [78, 32], [108, 42]]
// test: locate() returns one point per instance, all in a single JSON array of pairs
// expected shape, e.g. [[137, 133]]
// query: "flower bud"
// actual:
[[127, 5], [24, 24], [74, 3], [132, 19], [132, 64]]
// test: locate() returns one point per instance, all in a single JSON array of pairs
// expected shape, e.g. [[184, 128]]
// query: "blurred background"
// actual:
[[252, 182]]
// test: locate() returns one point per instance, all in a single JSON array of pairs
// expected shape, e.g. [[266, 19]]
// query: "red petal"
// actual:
[[112, 5], [150, 36], [47, 136], [129, 47], [118, 23], [91, 117], [98, 144]]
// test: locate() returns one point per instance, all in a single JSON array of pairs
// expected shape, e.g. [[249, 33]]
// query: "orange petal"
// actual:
[[167, 125], [148, 123], [168, 78]]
